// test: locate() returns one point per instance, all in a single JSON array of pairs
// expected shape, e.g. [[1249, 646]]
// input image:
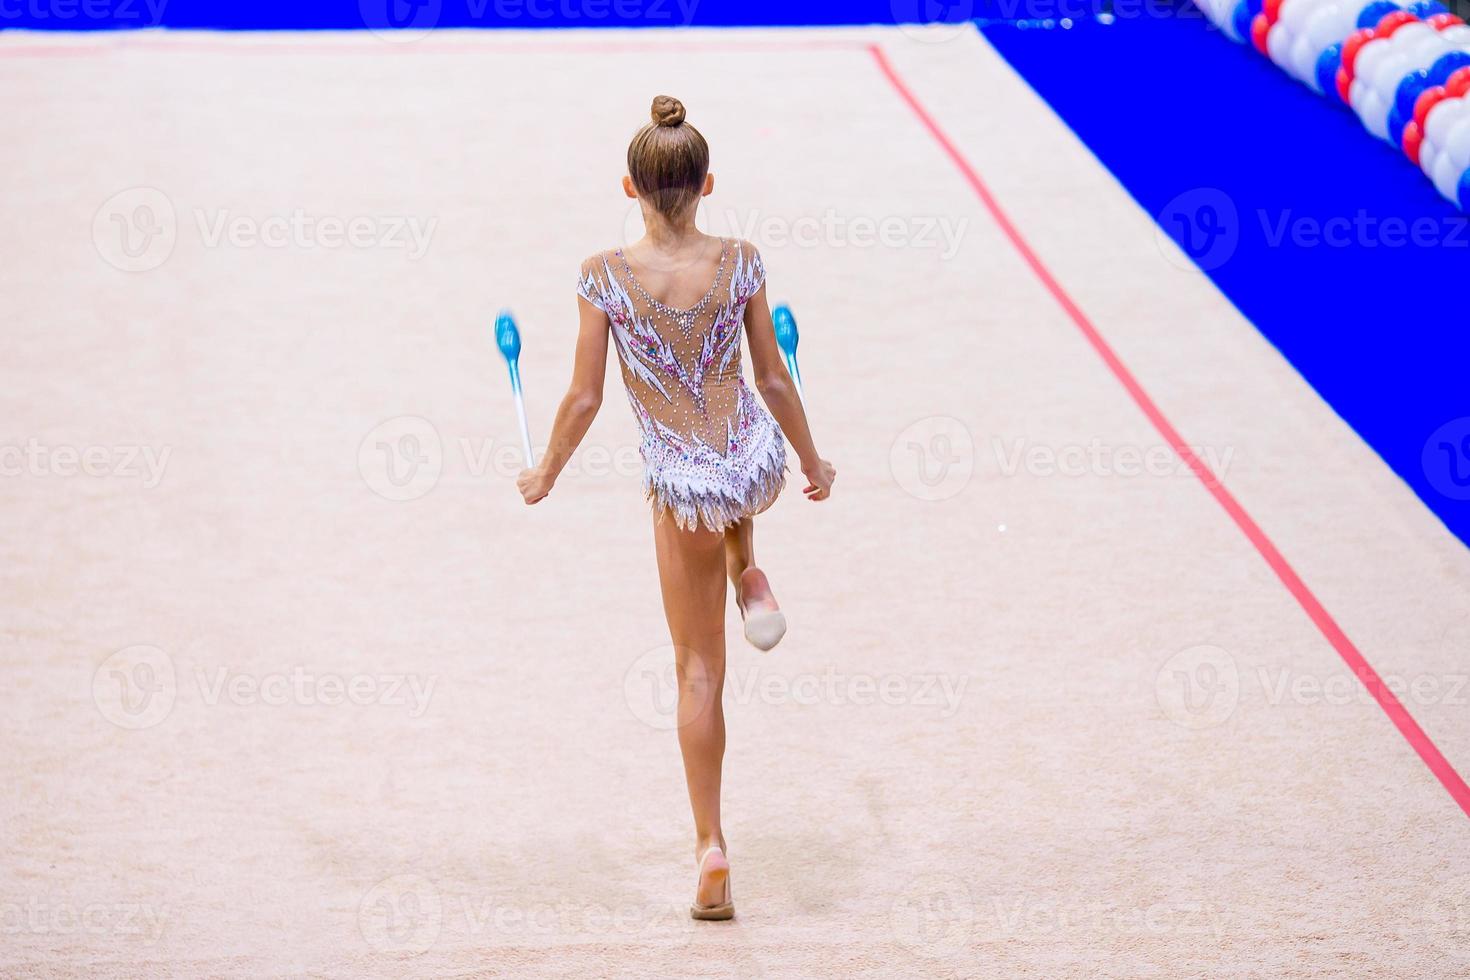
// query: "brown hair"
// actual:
[[668, 159]]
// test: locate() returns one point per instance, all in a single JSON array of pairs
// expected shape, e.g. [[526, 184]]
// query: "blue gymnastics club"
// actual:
[[787, 337], [508, 339]]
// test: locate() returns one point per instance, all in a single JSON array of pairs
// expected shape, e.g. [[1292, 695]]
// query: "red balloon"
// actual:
[[1272, 10], [1344, 85], [1350, 49], [1413, 140], [1260, 27], [1428, 99], [1392, 22], [1459, 83]]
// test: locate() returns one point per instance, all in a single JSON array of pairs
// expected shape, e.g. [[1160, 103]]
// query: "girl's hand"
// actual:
[[534, 484], [819, 476]]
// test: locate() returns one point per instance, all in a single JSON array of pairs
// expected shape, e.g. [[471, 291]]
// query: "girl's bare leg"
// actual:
[[692, 577], [739, 550], [753, 589]]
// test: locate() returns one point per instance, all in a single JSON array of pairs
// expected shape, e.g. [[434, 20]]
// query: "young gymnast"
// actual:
[[673, 303]]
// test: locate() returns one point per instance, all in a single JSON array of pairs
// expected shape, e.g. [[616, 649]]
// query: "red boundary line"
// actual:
[[1397, 713], [1351, 655]]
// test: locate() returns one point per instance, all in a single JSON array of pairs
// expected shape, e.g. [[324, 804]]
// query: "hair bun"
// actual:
[[667, 111]]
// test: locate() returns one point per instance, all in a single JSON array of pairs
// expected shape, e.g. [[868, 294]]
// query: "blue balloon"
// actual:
[[1464, 193], [1446, 66], [1425, 9], [1376, 11], [1256, 7], [1397, 122], [1241, 19], [507, 337], [1408, 92], [1328, 62]]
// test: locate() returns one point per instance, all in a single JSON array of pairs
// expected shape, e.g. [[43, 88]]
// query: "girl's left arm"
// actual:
[[578, 408]]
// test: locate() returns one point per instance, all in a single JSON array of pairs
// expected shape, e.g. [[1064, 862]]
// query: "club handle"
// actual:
[[795, 370], [515, 388]]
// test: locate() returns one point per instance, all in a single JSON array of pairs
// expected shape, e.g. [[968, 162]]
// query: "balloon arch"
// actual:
[[1404, 68]]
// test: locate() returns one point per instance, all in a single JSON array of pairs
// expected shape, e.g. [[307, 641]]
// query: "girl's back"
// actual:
[[713, 453]]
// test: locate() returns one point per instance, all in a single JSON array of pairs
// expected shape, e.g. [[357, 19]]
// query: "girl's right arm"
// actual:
[[578, 408], [779, 393]]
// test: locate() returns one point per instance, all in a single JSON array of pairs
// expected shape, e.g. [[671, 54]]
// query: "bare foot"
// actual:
[[755, 591], [712, 895]]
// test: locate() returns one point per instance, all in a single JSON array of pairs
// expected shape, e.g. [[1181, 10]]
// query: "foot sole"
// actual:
[[712, 913], [764, 630], [717, 879]]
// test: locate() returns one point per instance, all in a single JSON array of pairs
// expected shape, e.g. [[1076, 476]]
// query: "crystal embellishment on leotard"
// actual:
[[712, 454]]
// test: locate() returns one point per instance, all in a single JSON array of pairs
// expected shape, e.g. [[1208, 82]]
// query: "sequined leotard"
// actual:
[[711, 453]]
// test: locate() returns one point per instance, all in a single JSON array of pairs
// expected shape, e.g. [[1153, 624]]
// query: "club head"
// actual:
[[507, 337], [785, 324]]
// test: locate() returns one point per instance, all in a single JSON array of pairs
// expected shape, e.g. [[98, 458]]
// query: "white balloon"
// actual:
[[1446, 177], [1423, 37], [1224, 18], [1442, 119], [1385, 74], [1407, 34], [1328, 26], [1278, 43], [1357, 92], [1374, 114], [1318, 25], [1211, 9], [1428, 154], [1292, 14], [1369, 55], [1366, 93], [1456, 145], [1458, 36], [1303, 64]]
